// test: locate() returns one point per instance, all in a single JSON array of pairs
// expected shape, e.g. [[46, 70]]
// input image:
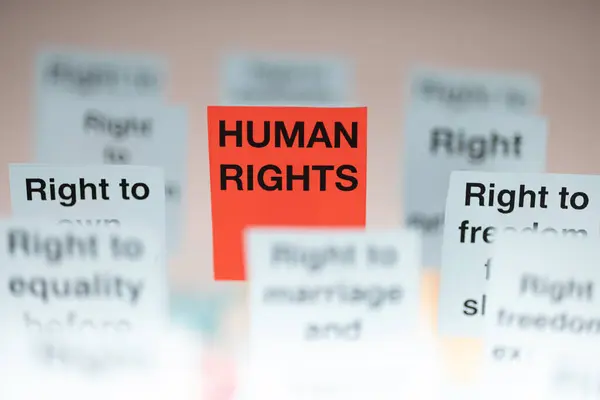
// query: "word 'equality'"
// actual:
[[299, 134], [477, 148]]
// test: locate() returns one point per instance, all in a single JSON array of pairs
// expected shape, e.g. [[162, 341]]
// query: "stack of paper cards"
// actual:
[[483, 205]]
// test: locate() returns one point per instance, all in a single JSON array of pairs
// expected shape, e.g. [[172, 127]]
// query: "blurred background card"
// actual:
[[542, 322], [80, 279], [286, 80], [97, 132], [438, 141], [323, 303], [462, 90], [73, 73], [198, 312]]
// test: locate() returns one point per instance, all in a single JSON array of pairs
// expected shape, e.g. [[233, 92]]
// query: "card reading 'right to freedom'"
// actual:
[[481, 205]]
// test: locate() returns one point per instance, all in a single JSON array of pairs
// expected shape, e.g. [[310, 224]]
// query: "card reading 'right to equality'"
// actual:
[[83, 308], [59, 279], [482, 204]]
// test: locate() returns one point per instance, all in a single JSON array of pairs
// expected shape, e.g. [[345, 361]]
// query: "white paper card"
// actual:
[[324, 301], [573, 374], [84, 314], [79, 300], [455, 90], [544, 288], [59, 278], [285, 80], [438, 142], [103, 132], [482, 204], [542, 312], [74, 74], [128, 196]]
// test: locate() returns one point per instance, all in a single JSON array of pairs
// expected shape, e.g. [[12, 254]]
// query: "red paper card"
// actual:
[[283, 166]]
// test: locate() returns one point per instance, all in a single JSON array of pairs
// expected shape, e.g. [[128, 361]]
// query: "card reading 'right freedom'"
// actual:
[[542, 315], [479, 206], [543, 291]]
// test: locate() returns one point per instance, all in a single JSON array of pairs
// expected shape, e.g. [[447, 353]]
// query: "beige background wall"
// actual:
[[557, 40]]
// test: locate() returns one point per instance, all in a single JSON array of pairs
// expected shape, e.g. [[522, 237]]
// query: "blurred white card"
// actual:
[[438, 142], [573, 374], [455, 90], [59, 279], [83, 195], [544, 287], [323, 303], [482, 204], [542, 312], [285, 80], [66, 73], [78, 302], [103, 132]]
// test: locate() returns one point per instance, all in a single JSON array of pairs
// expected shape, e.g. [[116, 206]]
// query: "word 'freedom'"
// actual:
[[278, 134]]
